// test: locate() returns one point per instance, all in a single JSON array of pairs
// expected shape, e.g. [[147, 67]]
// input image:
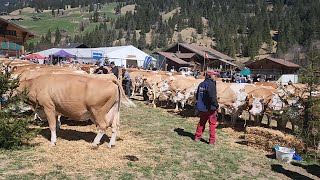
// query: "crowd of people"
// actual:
[[126, 81]]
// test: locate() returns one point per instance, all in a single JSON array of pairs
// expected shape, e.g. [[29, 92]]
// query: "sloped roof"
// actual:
[[185, 55], [173, 57], [212, 53], [19, 27], [74, 45], [116, 52], [283, 62]]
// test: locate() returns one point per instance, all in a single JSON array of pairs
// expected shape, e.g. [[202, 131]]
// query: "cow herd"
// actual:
[[260, 99], [76, 93]]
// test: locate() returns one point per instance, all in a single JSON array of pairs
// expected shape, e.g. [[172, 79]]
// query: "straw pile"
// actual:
[[74, 154], [266, 139]]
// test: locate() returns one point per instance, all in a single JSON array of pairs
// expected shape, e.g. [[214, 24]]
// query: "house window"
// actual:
[[2, 30], [11, 33]]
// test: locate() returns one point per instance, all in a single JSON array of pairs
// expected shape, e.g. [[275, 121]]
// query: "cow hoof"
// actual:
[[109, 146], [94, 146], [52, 144], [175, 110]]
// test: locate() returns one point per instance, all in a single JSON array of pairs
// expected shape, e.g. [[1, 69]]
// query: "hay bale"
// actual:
[[266, 139]]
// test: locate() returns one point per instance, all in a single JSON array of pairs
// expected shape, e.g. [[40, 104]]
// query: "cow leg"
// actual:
[[51, 116], [59, 122], [133, 88], [258, 119], [269, 121], [154, 103], [114, 117], [182, 105], [113, 137], [234, 117], [98, 137], [281, 123], [154, 97], [177, 107], [223, 114], [141, 90]]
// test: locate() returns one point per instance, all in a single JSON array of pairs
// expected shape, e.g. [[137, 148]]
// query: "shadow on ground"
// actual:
[[182, 132], [291, 174], [73, 135], [312, 169]]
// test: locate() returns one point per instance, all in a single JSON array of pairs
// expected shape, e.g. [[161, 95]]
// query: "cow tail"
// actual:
[[124, 99]]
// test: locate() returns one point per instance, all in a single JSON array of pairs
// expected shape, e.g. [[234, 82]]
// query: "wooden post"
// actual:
[[204, 63]]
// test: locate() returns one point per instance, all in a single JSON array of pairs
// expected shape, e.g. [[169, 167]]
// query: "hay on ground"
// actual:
[[266, 139], [73, 151]]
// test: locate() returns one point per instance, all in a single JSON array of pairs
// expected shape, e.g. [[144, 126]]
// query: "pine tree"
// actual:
[[14, 125], [134, 41], [142, 41], [128, 38], [120, 34], [180, 39], [310, 125], [57, 37]]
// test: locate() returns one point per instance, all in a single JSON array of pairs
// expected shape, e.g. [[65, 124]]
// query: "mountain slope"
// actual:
[[238, 28]]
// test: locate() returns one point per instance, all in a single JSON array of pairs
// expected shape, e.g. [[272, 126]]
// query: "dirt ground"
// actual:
[[154, 143]]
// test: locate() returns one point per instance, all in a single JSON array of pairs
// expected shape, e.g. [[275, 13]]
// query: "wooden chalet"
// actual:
[[181, 55], [13, 38], [272, 67]]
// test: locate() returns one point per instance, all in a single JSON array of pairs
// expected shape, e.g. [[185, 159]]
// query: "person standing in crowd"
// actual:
[[114, 69], [126, 82], [207, 106], [101, 70]]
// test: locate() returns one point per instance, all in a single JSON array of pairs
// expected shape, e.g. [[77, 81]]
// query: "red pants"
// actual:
[[204, 117]]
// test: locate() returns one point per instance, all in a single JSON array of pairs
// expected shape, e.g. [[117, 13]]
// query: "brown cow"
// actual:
[[82, 98]]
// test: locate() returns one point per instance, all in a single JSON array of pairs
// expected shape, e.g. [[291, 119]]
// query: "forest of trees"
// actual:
[[239, 27]]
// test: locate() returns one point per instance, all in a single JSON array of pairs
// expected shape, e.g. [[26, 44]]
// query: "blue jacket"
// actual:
[[207, 96]]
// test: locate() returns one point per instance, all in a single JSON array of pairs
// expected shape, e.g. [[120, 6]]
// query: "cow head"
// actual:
[[163, 86], [295, 102], [139, 80], [276, 103], [190, 94], [178, 96], [257, 105], [241, 100]]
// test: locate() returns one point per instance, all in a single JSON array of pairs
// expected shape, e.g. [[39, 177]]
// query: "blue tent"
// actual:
[[245, 72]]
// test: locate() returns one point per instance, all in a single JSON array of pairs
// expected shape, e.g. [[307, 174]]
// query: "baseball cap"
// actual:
[[212, 73]]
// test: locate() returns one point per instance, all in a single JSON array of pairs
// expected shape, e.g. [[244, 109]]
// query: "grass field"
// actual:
[[154, 144], [69, 22]]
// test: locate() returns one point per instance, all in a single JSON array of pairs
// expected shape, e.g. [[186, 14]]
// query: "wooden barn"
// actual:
[[200, 57], [13, 38], [273, 67]]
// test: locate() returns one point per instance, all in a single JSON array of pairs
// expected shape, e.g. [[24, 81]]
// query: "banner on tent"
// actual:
[[97, 55], [147, 61]]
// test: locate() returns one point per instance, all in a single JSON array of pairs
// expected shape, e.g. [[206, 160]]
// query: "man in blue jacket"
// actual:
[[207, 106]]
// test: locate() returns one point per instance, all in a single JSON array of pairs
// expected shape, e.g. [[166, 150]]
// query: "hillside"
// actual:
[[242, 29]]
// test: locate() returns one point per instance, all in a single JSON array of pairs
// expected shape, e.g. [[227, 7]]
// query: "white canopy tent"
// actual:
[[121, 55]]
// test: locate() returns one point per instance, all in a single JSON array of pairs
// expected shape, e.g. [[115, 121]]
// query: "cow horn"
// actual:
[[253, 96]]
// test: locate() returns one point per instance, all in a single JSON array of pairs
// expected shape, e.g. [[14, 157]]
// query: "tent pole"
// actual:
[[204, 63]]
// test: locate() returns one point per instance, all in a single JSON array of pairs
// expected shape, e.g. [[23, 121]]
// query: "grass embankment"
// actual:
[[69, 22], [154, 145]]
